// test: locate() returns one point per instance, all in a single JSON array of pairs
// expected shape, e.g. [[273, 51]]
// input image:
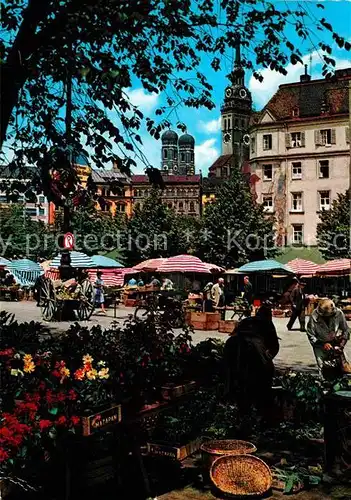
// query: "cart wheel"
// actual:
[[48, 300], [86, 301]]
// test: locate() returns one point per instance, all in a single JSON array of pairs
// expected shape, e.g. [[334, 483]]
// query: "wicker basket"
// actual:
[[211, 450], [241, 475]]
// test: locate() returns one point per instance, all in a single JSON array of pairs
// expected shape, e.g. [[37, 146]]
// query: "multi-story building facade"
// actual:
[[115, 191], [300, 153], [181, 192], [40, 209]]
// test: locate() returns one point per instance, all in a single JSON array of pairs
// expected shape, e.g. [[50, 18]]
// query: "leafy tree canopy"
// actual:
[[235, 229], [105, 45], [20, 236], [333, 231]]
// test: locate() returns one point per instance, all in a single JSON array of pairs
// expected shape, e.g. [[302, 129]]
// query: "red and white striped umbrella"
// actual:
[[184, 264], [338, 266], [110, 277], [213, 268], [303, 267], [149, 265]]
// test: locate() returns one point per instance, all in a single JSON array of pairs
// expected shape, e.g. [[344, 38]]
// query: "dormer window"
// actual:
[[296, 112]]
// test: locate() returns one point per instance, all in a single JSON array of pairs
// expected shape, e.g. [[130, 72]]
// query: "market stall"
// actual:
[[73, 297], [334, 282]]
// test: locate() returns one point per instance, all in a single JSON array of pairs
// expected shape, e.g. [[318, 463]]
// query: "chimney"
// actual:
[[306, 77]]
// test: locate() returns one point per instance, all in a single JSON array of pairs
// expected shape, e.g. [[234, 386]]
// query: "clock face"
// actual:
[[227, 137], [228, 92], [242, 93]]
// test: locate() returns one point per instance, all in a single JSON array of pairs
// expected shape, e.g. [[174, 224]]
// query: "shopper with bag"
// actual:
[[328, 334]]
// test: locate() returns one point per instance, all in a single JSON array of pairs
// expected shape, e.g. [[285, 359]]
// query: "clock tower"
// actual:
[[236, 111]]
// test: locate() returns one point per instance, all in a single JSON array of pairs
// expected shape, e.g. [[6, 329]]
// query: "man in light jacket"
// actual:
[[217, 293]]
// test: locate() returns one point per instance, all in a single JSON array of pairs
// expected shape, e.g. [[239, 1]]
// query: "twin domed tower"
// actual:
[[178, 154]]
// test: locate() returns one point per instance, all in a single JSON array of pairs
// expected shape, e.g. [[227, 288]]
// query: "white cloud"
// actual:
[[262, 92], [146, 102], [205, 154], [210, 127]]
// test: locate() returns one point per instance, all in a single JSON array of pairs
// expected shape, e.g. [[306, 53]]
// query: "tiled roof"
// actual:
[[168, 179], [101, 176], [221, 162], [311, 99], [209, 184]]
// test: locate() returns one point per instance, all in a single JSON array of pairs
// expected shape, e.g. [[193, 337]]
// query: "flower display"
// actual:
[[89, 372]]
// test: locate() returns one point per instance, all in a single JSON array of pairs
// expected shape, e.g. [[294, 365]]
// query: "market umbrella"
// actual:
[[4, 262], [303, 267], [149, 265], [24, 265], [338, 266], [110, 277], [268, 265], [78, 259], [46, 265], [105, 262], [184, 264], [213, 268]]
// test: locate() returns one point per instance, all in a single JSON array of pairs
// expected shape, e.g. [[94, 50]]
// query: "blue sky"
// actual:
[[204, 124]]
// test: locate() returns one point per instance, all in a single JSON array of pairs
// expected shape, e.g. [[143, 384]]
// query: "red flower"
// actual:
[[72, 395], [61, 420], [75, 420], [61, 396], [49, 397], [44, 424], [56, 374], [88, 367], [7, 352], [3, 455], [42, 386], [33, 398]]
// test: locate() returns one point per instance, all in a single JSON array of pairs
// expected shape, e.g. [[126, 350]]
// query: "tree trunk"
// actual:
[[15, 70]]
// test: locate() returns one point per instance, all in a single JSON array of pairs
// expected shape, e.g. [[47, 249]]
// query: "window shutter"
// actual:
[[333, 136], [303, 141], [287, 141], [347, 134], [317, 138]]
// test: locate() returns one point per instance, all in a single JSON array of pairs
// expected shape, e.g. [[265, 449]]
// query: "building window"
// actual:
[[165, 154], [225, 124], [295, 112], [268, 203], [253, 144], [121, 207], [267, 172], [296, 141], [182, 156], [326, 137], [324, 169], [236, 123], [181, 205], [267, 141], [297, 236], [296, 202], [296, 170], [191, 207], [31, 212], [228, 123], [324, 200], [225, 172]]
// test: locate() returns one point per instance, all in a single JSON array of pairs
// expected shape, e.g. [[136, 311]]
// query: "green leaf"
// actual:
[[53, 410]]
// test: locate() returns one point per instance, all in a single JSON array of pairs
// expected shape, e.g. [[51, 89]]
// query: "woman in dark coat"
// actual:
[[249, 362]]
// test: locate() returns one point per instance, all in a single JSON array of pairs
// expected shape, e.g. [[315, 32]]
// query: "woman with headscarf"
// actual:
[[328, 334], [249, 361]]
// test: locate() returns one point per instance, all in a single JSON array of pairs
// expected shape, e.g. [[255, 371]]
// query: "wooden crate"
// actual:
[[211, 325], [177, 452], [227, 326], [172, 391], [101, 420], [130, 303], [204, 321]]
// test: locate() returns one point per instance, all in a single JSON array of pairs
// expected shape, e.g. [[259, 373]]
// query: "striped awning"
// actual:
[[149, 265], [213, 268], [4, 262], [335, 267], [184, 264], [109, 277], [105, 262], [303, 267], [78, 259], [24, 265], [262, 266]]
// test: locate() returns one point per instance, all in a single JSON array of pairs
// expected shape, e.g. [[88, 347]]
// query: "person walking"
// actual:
[[99, 292], [298, 303], [218, 299], [207, 298], [248, 294], [249, 364], [328, 334]]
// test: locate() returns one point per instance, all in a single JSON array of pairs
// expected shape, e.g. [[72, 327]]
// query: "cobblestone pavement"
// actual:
[[295, 350]]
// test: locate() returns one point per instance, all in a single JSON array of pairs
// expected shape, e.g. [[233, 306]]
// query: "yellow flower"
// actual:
[[29, 367], [91, 375], [102, 363], [87, 359], [104, 373], [27, 358], [65, 372]]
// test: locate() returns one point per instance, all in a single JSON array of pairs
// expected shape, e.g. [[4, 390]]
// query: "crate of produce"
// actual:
[[227, 326]]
